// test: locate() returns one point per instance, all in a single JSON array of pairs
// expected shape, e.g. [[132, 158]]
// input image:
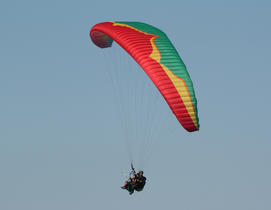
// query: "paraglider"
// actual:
[[135, 182], [158, 58]]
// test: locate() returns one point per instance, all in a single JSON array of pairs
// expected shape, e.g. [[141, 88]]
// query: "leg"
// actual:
[[131, 191], [125, 185]]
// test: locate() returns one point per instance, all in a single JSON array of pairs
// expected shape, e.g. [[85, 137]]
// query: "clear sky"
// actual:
[[59, 143]]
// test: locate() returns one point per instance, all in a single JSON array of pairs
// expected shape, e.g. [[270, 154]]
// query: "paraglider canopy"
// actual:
[[153, 51]]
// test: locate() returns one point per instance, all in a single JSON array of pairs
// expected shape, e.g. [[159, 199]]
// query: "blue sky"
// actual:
[[60, 146]]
